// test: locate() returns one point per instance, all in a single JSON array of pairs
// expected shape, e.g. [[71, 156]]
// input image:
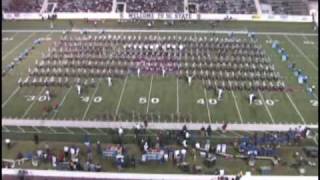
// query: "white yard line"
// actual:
[[120, 98], [150, 89], [16, 90], [67, 129], [31, 105], [51, 129], [14, 34], [102, 132], [291, 101], [89, 105], [295, 107], [6, 129], [263, 102], [11, 95], [61, 103], [237, 107], [315, 140], [302, 53], [315, 95], [235, 133], [177, 95], [35, 128], [163, 31], [207, 104], [85, 131], [12, 50], [21, 129], [128, 125]]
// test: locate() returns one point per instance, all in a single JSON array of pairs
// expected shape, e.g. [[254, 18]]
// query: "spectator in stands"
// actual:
[[224, 127], [86, 140], [78, 166], [231, 6], [184, 128], [8, 143], [84, 6], [61, 156], [133, 162], [98, 167], [209, 130], [90, 156], [120, 131], [66, 152], [137, 130], [92, 167], [36, 139], [202, 131], [86, 166], [24, 6], [19, 156], [145, 123], [99, 149]]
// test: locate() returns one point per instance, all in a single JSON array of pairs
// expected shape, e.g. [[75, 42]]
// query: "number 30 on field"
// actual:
[[36, 98]]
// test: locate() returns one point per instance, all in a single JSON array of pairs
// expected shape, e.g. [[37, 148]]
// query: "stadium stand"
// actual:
[[293, 7], [223, 6], [23, 6], [84, 6]]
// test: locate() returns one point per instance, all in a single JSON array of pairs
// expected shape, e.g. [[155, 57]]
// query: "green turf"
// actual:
[[200, 25], [177, 101], [299, 97]]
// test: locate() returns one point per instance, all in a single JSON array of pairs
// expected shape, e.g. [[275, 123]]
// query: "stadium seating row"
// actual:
[[298, 7]]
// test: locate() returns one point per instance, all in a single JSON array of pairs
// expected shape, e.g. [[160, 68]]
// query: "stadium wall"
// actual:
[[161, 16], [136, 176]]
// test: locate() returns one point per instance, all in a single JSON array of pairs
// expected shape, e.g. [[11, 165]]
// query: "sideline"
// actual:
[[151, 125], [162, 31]]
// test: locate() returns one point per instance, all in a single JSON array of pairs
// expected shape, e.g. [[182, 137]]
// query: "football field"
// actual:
[[161, 99]]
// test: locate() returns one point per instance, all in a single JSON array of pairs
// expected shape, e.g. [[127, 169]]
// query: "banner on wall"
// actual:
[[160, 16]]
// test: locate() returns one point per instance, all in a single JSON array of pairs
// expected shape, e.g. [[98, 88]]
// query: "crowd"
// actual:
[[226, 6], [177, 6], [293, 7], [158, 149], [23, 6], [268, 144], [205, 6], [84, 6]]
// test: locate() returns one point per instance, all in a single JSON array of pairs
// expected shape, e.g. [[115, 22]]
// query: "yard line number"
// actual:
[[308, 42], [96, 99], [210, 101], [143, 100], [314, 102], [36, 98], [268, 102], [258, 102]]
